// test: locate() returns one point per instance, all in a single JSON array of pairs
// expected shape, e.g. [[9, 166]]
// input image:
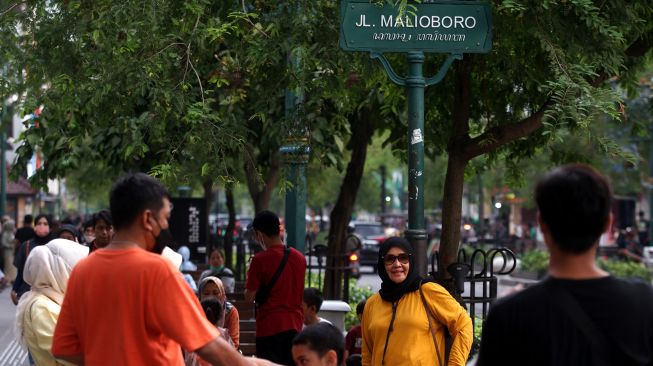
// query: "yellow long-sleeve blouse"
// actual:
[[411, 342]]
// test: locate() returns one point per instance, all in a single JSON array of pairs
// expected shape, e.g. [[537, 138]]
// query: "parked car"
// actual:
[[372, 235]]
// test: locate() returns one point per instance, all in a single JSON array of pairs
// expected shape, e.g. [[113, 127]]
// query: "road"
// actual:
[[11, 354]]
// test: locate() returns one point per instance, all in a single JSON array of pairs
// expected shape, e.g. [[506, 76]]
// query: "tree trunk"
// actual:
[[260, 190], [451, 213], [455, 178], [362, 129], [231, 225]]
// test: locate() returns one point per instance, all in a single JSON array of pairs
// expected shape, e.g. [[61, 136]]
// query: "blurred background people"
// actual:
[[103, 229], [218, 269], [47, 270], [8, 248], [213, 287], [41, 237]]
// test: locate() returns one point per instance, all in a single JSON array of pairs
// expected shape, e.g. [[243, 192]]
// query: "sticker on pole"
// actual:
[[437, 27]]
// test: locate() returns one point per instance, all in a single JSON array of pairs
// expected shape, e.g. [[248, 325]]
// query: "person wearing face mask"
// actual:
[[112, 314], [212, 287], [41, 237], [405, 322], [275, 279], [88, 230], [218, 269]]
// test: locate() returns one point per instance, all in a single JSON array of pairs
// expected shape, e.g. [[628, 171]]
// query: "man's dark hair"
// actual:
[[267, 222], [313, 297], [28, 220], [104, 215], [575, 202], [360, 307], [42, 216], [212, 308], [322, 338], [133, 193], [88, 223]]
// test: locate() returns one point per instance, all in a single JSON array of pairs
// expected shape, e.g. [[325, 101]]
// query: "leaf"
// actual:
[[205, 169]]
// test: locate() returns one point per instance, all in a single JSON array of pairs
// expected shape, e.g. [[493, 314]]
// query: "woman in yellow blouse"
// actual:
[[47, 270], [395, 323]]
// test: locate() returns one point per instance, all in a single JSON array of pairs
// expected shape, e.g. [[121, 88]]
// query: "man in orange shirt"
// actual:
[[113, 312]]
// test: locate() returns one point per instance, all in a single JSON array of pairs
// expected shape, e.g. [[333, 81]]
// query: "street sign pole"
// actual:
[[415, 85], [450, 27]]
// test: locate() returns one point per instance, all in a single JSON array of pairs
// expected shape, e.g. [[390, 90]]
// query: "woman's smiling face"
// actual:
[[396, 264]]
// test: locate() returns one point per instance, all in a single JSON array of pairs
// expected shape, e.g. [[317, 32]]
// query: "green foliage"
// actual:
[[356, 295], [535, 261], [478, 331], [126, 84], [625, 269]]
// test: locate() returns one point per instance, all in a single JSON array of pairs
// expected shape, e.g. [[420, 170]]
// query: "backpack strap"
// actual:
[[570, 306], [284, 260]]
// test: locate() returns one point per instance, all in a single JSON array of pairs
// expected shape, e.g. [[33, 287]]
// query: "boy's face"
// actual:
[[304, 356], [309, 313]]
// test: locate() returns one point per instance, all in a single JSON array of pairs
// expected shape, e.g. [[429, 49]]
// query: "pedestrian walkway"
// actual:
[[11, 353]]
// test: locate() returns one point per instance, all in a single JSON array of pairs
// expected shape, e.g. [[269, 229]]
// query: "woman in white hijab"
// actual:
[[47, 270]]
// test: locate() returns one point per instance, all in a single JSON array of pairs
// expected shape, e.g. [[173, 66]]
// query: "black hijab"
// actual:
[[391, 291]]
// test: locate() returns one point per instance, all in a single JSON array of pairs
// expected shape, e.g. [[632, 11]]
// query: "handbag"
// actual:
[[263, 292]]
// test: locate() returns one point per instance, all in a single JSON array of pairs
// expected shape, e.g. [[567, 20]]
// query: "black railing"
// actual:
[[317, 258], [473, 277]]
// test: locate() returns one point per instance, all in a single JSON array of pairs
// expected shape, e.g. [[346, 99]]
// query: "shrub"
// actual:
[[356, 294], [535, 261], [625, 269]]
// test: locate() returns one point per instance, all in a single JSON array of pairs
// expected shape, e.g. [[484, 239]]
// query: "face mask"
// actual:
[[216, 268], [42, 230], [162, 240]]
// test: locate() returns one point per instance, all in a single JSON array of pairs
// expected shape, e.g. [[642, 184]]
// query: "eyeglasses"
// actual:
[[389, 259]]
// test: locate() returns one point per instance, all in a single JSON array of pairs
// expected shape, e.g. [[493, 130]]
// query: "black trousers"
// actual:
[[277, 347]]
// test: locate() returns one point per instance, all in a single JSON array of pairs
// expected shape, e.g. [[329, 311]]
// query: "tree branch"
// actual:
[[509, 132], [10, 8], [503, 134], [251, 174]]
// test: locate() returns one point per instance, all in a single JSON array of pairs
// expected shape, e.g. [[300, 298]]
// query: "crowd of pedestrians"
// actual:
[[116, 295]]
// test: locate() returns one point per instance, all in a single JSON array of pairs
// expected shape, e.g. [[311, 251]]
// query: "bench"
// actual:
[[248, 336]]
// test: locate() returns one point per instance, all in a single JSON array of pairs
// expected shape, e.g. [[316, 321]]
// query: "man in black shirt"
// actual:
[[579, 315], [26, 232]]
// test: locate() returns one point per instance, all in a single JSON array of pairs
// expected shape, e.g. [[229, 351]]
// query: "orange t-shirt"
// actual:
[[129, 307]]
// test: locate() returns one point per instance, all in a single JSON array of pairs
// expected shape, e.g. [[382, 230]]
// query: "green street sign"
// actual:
[[439, 27]]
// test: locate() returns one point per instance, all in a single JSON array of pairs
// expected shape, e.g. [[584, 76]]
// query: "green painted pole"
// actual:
[[295, 153], [296, 156], [415, 85]]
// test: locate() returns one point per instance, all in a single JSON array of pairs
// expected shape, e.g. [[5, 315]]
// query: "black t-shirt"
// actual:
[[20, 286], [24, 234], [529, 328]]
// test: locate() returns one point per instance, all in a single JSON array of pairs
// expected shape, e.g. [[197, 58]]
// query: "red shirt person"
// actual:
[[280, 317], [126, 304]]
